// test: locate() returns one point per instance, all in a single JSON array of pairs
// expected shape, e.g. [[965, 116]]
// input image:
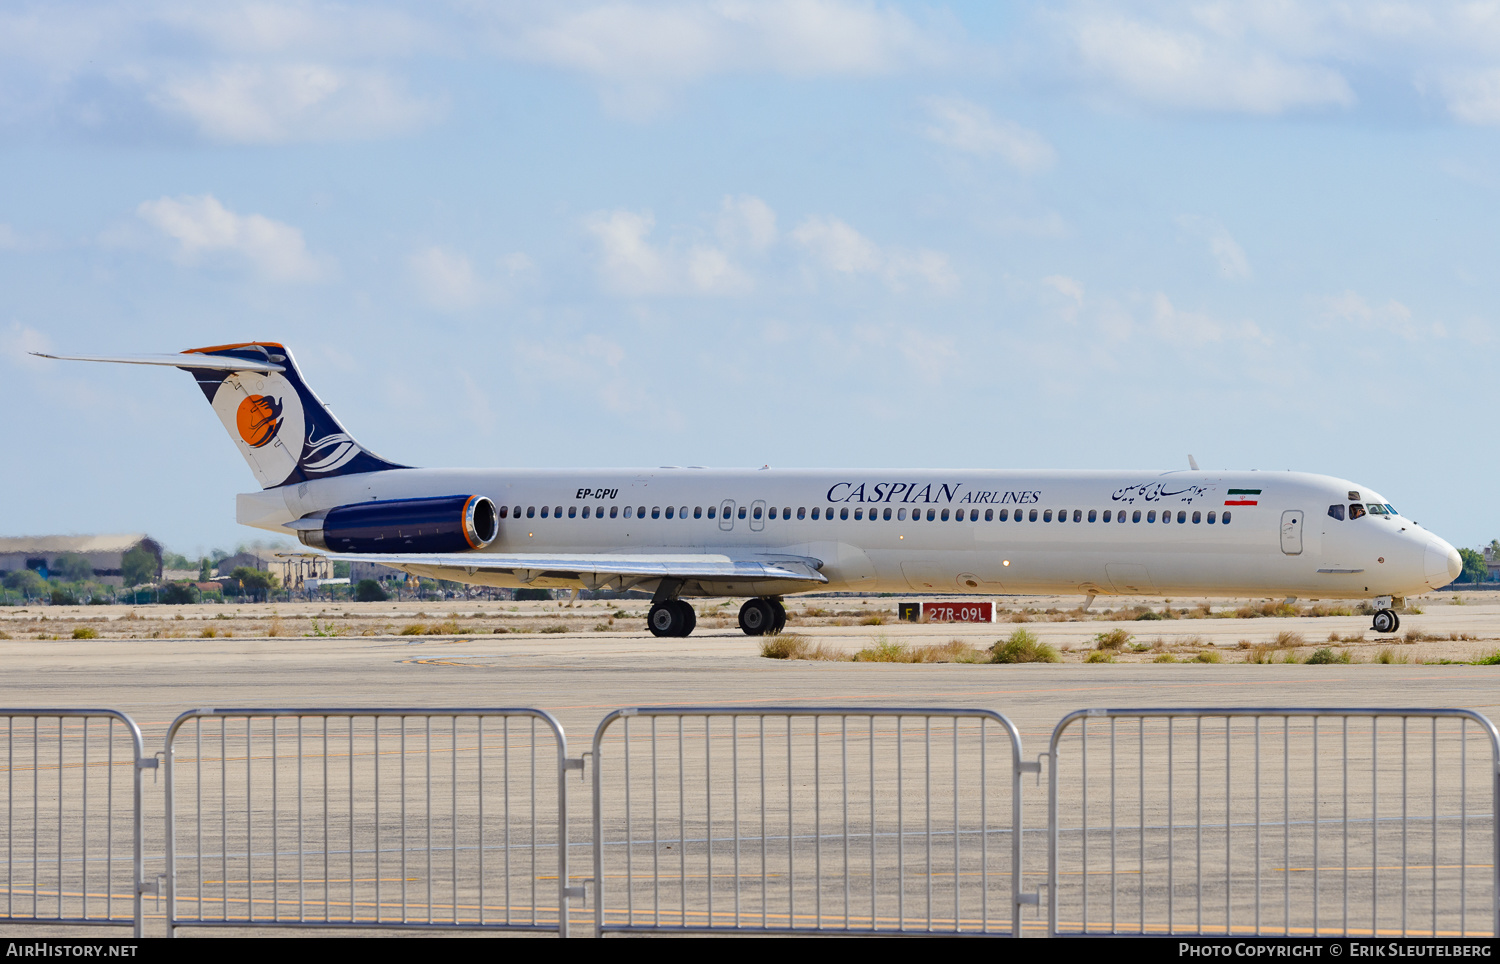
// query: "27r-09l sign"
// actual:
[[948, 612]]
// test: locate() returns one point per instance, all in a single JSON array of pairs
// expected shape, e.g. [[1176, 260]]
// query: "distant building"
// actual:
[[105, 553], [291, 569]]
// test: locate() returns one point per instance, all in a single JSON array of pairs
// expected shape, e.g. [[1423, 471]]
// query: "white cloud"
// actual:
[[1071, 292], [746, 222], [20, 341], [968, 127], [446, 278], [1228, 256], [839, 248], [632, 265], [269, 104], [201, 225], [1392, 318], [642, 52], [1194, 328], [1186, 66]]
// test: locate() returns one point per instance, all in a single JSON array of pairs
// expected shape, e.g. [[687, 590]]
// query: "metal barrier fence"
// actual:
[[797, 820], [1274, 822], [368, 818], [72, 818]]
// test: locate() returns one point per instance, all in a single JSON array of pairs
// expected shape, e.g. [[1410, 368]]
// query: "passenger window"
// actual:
[[801, 512], [816, 510], [1135, 516], [859, 514], [572, 512], [1005, 515], [1078, 515], [640, 512], [989, 515], [697, 512], [742, 512], [772, 512], [1356, 511], [599, 512], [1032, 516], [1093, 515], [628, 512], [844, 513], [1107, 514], [1210, 518], [757, 512], [585, 512], [504, 510], [1166, 516], [518, 512], [1197, 517], [682, 513], [900, 515], [656, 511], [557, 512], [1225, 520], [888, 514], [1151, 516], [828, 514], [1181, 515], [1046, 516], [669, 512], [544, 511], [786, 512], [944, 516], [932, 513], [531, 512]]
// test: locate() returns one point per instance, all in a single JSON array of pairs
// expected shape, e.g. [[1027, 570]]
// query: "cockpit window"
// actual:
[[1377, 509], [1356, 510], [1391, 509], [1336, 512]]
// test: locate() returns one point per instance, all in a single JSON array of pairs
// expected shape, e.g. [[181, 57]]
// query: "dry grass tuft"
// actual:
[[1208, 656], [1389, 655], [1114, 639], [1286, 639], [1164, 658], [874, 619], [796, 646], [1100, 656]]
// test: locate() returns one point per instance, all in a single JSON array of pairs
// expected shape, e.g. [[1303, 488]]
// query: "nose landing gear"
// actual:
[[1386, 621], [763, 616]]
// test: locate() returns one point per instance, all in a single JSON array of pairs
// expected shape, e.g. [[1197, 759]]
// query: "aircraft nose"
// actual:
[[1443, 563]]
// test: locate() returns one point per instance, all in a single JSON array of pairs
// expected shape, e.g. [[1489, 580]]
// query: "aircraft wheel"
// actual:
[[1385, 622], [1397, 620], [779, 613], [689, 619], [665, 619], [757, 617]]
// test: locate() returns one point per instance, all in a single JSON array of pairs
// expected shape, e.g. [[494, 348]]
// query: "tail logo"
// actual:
[[258, 420], [329, 453]]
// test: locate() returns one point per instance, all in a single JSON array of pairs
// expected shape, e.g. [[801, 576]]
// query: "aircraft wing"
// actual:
[[604, 570]]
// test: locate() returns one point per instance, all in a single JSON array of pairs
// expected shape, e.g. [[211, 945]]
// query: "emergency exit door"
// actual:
[[1291, 532]]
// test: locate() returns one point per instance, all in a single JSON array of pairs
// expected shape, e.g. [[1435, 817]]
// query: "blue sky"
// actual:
[[830, 233]]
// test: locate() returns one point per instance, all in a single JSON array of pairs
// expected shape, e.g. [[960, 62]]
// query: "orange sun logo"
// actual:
[[258, 419]]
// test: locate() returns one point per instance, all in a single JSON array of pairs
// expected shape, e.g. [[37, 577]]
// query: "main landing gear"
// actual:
[[671, 617], [1386, 621], [763, 616]]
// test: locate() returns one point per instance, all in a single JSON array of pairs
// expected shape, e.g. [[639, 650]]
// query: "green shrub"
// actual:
[[368, 590], [1208, 656], [85, 632], [1164, 658], [1327, 655], [1100, 656], [1023, 647], [1148, 614]]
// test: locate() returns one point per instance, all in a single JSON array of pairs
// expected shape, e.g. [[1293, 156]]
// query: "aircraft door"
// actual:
[[1291, 532], [758, 515], [726, 515]]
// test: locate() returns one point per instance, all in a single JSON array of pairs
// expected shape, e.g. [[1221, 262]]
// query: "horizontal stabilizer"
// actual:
[[218, 363]]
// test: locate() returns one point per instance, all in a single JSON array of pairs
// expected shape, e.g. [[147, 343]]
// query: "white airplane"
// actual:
[[763, 534]]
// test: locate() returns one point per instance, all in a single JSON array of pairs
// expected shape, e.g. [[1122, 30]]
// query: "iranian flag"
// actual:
[[1243, 497]]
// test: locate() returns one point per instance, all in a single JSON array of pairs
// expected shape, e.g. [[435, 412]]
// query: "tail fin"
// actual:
[[281, 428]]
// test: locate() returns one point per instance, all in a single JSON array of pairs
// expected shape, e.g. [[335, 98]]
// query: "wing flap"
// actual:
[[598, 567]]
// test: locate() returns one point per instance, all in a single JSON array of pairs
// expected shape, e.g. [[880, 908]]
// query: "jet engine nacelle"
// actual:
[[450, 523]]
